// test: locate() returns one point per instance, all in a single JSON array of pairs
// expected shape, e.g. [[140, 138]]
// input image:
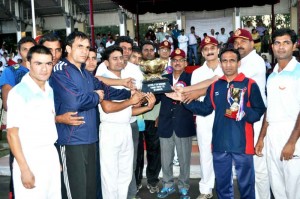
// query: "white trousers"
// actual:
[[204, 138], [262, 181], [45, 166], [116, 157], [284, 175]]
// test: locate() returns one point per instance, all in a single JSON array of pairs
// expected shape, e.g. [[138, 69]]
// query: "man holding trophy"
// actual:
[[238, 104]]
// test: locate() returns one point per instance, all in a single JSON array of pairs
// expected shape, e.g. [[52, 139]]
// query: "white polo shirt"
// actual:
[[32, 111], [131, 70], [119, 117], [199, 75], [284, 93], [253, 66]]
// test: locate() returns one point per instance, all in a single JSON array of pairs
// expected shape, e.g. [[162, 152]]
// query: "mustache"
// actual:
[[240, 48], [210, 54]]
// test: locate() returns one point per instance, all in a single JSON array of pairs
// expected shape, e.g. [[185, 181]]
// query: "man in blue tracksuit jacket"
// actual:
[[76, 90], [232, 140]]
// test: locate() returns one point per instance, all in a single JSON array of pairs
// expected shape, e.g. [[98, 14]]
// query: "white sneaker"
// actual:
[[205, 196]]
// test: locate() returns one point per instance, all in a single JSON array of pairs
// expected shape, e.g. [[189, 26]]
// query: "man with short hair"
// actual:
[[253, 66], [54, 44], [280, 130], [193, 47], [76, 90], [150, 134], [10, 77], [210, 68], [175, 129], [118, 135], [238, 104], [32, 131], [131, 72]]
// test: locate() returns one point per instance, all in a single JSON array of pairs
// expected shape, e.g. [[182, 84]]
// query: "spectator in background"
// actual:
[[212, 33], [256, 40], [248, 26], [183, 41], [175, 33], [110, 41], [170, 40], [222, 38], [193, 58], [98, 40], [265, 42], [3, 49], [150, 35], [260, 27]]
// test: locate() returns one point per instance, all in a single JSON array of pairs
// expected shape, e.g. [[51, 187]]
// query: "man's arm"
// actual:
[[201, 85], [289, 148], [260, 141], [5, 90], [127, 82], [110, 107], [13, 139], [70, 118], [151, 102]]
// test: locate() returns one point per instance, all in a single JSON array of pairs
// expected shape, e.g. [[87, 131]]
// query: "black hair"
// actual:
[[24, 40], [284, 31], [235, 51], [109, 50], [71, 37], [147, 43], [126, 39], [49, 37], [137, 49], [39, 49]]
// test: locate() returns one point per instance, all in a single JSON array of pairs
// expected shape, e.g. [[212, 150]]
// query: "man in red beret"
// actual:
[[253, 66], [175, 129]]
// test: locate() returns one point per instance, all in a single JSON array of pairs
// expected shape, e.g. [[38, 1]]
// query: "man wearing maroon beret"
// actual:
[[253, 66]]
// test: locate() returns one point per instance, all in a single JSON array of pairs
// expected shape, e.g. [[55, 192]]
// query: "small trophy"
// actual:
[[235, 98], [153, 81]]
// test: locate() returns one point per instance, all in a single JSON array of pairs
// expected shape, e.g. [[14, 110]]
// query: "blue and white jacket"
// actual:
[[74, 91], [230, 135]]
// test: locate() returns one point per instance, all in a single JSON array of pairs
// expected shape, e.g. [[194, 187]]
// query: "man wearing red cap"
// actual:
[[175, 129], [211, 68], [253, 66], [201, 79], [164, 54]]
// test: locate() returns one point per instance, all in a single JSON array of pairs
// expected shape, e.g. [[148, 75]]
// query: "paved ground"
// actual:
[[144, 193]]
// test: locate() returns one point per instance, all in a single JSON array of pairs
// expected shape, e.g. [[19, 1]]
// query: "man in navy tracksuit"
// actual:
[[76, 90], [238, 104]]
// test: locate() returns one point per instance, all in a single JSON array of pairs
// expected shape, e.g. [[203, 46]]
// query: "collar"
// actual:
[[69, 63], [34, 87], [289, 67], [239, 78]]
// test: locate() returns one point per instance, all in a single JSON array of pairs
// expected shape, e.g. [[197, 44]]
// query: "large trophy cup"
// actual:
[[153, 81]]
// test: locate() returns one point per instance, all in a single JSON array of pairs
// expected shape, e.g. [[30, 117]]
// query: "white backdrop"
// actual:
[[204, 25]]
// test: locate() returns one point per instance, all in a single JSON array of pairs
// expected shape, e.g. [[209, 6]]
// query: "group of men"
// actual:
[[228, 95]]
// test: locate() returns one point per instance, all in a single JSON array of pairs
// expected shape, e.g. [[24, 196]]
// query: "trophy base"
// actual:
[[231, 114], [157, 86]]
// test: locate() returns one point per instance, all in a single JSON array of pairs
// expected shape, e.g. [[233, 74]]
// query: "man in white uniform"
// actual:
[[32, 131], [210, 68], [183, 41], [253, 66], [116, 144], [132, 76], [282, 121]]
